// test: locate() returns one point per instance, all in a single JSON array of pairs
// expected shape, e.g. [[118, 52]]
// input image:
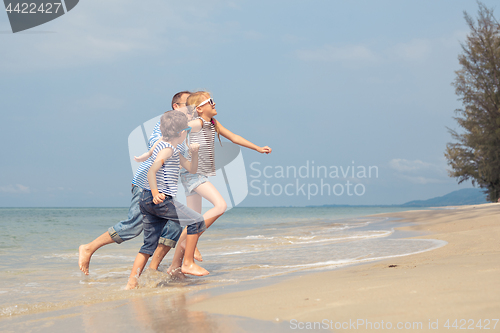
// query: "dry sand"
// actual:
[[460, 281]]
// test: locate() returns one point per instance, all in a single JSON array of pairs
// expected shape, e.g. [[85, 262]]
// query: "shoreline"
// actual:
[[457, 281], [451, 282]]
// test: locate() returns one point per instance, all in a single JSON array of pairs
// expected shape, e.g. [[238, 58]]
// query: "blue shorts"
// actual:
[[132, 227], [192, 181], [155, 217]]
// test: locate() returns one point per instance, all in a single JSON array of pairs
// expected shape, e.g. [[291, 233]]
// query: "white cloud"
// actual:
[[15, 189], [69, 48], [419, 172], [254, 35], [100, 32], [420, 180], [402, 165], [54, 189], [414, 50], [292, 39], [328, 53], [453, 41]]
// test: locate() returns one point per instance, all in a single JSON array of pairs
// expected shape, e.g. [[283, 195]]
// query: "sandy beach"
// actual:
[[452, 287], [457, 284]]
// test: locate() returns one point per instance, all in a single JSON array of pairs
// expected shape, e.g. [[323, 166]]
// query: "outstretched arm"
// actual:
[[156, 135], [195, 125], [241, 141], [162, 156], [191, 166], [147, 155]]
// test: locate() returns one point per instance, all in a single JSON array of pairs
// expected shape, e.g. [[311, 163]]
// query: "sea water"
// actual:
[[39, 252]]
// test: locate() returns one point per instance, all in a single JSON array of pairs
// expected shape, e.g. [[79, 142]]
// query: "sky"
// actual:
[[332, 84]]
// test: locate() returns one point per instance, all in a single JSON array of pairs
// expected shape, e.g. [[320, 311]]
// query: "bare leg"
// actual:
[[85, 251], [209, 192], [174, 268], [189, 266], [139, 263], [194, 202], [197, 255], [158, 256]]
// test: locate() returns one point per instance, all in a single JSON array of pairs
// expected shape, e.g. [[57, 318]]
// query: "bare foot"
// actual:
[[132, 284], [194, 269], [197, 255], [176, 273], [84, 258]]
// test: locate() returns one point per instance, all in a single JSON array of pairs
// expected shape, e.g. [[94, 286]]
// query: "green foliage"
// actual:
[[476, 153]]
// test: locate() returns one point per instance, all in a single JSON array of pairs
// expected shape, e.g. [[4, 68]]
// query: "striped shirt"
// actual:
[[205, 137], [168, 175], [156, 135]]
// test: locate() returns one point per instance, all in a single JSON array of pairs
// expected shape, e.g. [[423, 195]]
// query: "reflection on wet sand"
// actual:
[[161, 313]]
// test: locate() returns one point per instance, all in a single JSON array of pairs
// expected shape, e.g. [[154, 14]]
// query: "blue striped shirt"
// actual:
[[168, 175], [156, 135]]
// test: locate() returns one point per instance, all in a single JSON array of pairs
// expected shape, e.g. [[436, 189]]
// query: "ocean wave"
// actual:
[[299, 240], [73, 256], [250, 237], [437, 244], [377, 234]]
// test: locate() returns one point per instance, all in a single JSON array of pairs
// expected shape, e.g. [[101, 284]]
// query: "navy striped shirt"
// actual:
[[168, 175]]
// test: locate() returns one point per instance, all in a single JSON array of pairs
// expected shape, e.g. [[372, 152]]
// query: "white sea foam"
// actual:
[[250, 237], [437, 244], [331, 264], [229, 253], [74, 256], [352, 237], [61, 256], [320, 264]]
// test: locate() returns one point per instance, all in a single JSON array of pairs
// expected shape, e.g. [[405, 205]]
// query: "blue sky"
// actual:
[[334, 82]]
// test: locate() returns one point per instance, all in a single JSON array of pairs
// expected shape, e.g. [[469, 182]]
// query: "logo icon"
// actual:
[[230, 179], [27, 14]]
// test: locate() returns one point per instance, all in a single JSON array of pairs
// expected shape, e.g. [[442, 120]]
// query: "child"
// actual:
[[157, 203], [132, 226], [197, 186], [164, 247]]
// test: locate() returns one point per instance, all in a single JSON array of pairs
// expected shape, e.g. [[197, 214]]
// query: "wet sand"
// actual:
[[456, 282], [139, 314]]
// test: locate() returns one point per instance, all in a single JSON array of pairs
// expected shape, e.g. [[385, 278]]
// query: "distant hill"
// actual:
[[466, 196]]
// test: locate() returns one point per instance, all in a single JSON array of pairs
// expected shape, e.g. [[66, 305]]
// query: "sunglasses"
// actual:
[[210, 100], [188, 129]]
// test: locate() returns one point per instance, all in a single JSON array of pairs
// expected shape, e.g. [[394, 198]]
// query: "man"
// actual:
[[132, 227]]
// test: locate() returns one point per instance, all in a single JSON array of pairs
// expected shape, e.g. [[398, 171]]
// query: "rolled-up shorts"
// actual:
[[155, 216], [132, 227]]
